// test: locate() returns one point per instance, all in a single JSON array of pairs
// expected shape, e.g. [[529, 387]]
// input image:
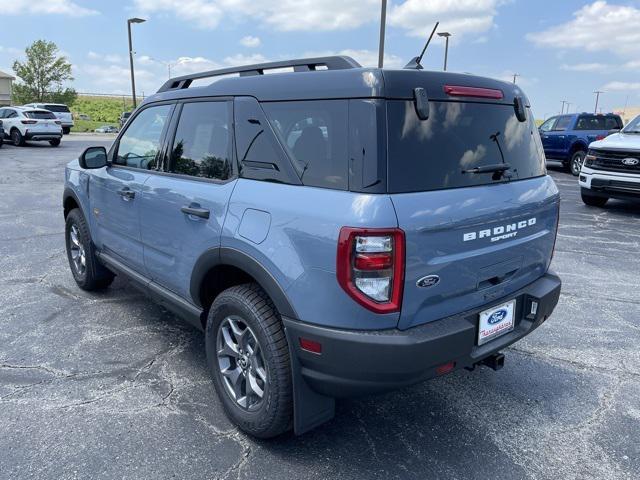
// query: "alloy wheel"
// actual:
[[241, 363], [576, 162], [77, 251]]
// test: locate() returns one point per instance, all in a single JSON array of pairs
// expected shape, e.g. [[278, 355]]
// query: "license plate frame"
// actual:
[[496, 321]]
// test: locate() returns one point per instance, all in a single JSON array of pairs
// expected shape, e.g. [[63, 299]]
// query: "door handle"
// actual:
[[127, 194], [195, 211]]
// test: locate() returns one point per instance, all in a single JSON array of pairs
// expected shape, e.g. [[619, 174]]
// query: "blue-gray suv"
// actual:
[[334, 230]]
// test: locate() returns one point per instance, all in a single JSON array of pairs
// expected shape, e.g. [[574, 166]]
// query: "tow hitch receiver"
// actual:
[[494, 361]]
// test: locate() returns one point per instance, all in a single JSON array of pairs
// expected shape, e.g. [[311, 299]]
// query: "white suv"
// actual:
[[60, 110], [611, 168], [23, 123]]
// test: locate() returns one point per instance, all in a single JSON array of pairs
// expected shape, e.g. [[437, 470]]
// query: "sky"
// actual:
[[561, 49]]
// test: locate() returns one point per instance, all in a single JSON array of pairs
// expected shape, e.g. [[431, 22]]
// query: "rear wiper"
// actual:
[[498, 167]]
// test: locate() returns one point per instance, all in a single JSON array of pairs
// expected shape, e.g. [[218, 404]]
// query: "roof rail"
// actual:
[[300, 65]]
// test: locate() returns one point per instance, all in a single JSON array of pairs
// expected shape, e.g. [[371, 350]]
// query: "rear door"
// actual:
[[115, 191], [183, 210], [478, 236]]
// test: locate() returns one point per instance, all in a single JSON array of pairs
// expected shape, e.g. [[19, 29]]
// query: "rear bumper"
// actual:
[[35, 136], [361, 362]]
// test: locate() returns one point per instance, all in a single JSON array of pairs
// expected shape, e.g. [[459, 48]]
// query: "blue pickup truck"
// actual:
[[567, 137]]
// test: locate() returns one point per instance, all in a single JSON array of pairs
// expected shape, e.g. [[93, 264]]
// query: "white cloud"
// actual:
[[415, 16], [457, 16], [250, 41], [621, 86], [203, 13], [599, 26], [109, 57], [45, 7], [586, 67]]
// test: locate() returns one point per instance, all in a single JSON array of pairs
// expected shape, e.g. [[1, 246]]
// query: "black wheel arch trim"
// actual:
[[69, 193], [236, 258]]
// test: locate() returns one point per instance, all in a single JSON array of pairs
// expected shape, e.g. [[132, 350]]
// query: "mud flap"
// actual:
[[310, 409]]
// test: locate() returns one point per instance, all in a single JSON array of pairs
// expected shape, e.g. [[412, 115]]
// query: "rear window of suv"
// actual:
[[57, 108], [432, 154], [40, 115]]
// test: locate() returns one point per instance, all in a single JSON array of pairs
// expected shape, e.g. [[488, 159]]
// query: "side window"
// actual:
[[12, 114], [2, 110], [562, 123], [315, 134], [138, 147], [202, 145], [548, 125], [611, 122], [260, 156]]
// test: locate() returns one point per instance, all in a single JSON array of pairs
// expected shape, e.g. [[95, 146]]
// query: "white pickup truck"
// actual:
[[611, 168]]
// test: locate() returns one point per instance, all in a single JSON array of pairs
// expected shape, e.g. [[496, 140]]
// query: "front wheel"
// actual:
[[55, 142], [87, 271], [248, 356], [592, 200], [575, 164]]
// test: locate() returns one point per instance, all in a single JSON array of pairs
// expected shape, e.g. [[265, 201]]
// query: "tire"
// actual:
[[592, 200], [55, 142], [90, 275], [17, 138], [66, 130], [265, 364], [576, 161]]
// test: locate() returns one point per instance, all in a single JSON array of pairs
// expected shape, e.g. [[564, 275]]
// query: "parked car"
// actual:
[[26, 123], [567, 137], [1, 134], [61, 112], [612, 167], [335, 232], [106, 129], [124, 116]]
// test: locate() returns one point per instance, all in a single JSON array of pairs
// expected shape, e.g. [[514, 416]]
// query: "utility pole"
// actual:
[[446, 36], [383, 22], [568, 104], [563, 103], [133, 80], [515, 75], [597, 92]]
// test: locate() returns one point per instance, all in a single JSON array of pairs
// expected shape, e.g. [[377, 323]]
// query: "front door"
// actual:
[[115, 191], [183, 211]]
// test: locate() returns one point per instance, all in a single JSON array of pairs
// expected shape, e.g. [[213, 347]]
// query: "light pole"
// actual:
[[563, 103], [383, 21], [597, 92], [515, 75], [133, 80], [446, 36]]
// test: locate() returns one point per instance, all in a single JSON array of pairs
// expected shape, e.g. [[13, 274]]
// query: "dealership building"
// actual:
[[6, 82]]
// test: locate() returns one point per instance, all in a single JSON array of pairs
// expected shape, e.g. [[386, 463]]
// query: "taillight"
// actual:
[[29, 122], [462, 91], [600, 137], [370, 266]]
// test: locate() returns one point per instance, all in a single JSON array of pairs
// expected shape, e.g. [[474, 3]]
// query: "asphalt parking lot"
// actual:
[[110, 385]]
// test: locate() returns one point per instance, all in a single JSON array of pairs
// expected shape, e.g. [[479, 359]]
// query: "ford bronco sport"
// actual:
[[334, 230]]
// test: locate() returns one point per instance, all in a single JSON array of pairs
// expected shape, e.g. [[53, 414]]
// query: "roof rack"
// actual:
[[300, 65]]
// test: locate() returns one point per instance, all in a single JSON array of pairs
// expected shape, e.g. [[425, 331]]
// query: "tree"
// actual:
[[42, 75]]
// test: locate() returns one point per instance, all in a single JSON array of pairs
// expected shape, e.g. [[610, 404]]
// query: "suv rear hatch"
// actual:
[[476, 237]]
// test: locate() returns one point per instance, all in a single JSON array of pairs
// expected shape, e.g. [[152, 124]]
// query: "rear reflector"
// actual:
[[446, 368], [310, 345], [460, 91]]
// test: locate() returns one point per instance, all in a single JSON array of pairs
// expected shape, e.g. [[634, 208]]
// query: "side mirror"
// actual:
[[520, 108], [93, 157]]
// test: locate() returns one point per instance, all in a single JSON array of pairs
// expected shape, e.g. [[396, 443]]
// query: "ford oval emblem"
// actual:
[[630, 161], [497, 316], [428, 281]]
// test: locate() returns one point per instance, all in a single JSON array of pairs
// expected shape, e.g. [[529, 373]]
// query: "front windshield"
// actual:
[[633, 126]]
